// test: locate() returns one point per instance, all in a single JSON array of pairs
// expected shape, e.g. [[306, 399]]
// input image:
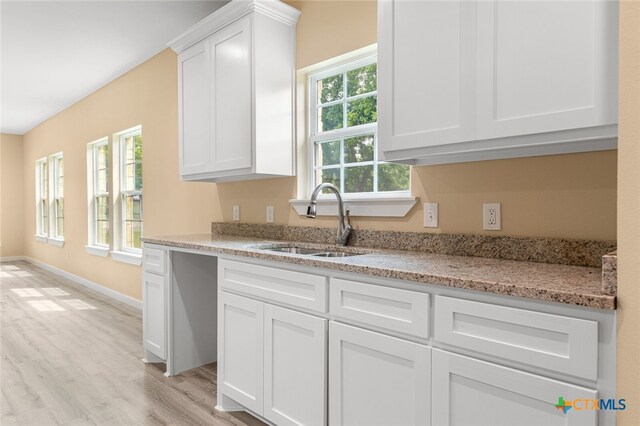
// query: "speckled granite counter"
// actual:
[[577, 285]]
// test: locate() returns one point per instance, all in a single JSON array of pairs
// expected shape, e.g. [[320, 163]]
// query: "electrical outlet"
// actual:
[[491, 217], [269, 214], [236, 213], [430, 215]]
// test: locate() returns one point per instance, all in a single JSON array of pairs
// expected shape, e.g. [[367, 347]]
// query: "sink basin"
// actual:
[[310, 251], [295, 250], [335, 254]]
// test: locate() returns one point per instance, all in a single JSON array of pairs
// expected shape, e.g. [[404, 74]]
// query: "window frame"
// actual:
[[42, 199], [314, 137], [123, 192], [93, 245], [55, 196]]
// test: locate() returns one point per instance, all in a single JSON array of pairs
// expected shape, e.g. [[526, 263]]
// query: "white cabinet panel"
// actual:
[[241, 350], [426, 53], [376, 379], [561, 344], [196, 151], [293, 288], [231, 96], [154, 260], [468, 392], [295, 360], [393, 309], [544, 66], [154, 296]]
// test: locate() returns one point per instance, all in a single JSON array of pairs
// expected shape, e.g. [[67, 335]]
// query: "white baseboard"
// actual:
[[127, 300], [12, 258]]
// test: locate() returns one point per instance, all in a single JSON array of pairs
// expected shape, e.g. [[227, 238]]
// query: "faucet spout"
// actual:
[[344, 221]]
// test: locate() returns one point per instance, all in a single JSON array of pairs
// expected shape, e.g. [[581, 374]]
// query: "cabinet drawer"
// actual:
[[154, 260], [553, 342], [292, 288], [393, 309]]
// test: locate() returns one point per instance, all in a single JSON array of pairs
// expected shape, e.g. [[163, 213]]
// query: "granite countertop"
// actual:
[[576, 285]]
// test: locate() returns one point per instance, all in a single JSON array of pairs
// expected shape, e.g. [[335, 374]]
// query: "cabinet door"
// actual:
[[230, 53], [545, 66], [426, 70], [472, 392], [376, 379], [196, 150], [154, 308], [240, 362], [295, 363]]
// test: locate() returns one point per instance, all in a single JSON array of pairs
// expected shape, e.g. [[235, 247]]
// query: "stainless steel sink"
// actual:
[[335, 254], [310, 252], [294, 250]]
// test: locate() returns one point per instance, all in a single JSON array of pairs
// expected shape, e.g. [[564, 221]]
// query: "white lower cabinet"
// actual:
[[272, 360], [470, 392], [295, 360], [241, 375], [154, 322], [376, 379]]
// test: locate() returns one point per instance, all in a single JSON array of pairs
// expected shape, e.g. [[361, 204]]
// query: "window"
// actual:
[[131, 189], [98, 190], [343, 132], [58, 196], [42, 199]]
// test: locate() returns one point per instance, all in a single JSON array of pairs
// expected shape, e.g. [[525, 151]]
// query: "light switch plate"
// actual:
[[430, 215], [269, 214], [236, 213]]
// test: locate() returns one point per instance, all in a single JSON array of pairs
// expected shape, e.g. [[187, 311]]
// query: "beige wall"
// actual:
[[628, 360], [11, 196], [146, 95]]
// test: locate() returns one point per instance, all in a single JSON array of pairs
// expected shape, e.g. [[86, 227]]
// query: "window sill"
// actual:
[[58, 242], [97, 251], [41, 238], [397, 206], [125, 257]]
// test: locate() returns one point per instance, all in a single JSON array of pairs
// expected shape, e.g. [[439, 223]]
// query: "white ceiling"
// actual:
[[54, 53]]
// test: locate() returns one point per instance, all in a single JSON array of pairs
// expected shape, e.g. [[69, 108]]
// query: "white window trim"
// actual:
[[382, 204], [41, 236], [122, 253], [54, 239], [93, 247]]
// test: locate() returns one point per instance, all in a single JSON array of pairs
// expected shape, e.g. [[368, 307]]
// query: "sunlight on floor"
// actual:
[[46, 305], [54, 291], [78, 304], [4, 274], [9, 268], [27, 292], [22, 274]]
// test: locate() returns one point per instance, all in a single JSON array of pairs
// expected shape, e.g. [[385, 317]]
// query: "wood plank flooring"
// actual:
[[70, 356]]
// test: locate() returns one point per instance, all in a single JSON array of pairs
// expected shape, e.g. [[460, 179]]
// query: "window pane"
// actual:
[[138, 177], [44, 218], [328, 175], [330, 118], [44, 177], [358, 149], [358, 179], [327, 153], [330, 89], [60, 227], [362, 111], [393, 177], [362, 80], [60, 208], [132, 234], [102, 232], [103, 179], [138, 148], [133, 207], [102, 208], [129, 177], [129, 150]]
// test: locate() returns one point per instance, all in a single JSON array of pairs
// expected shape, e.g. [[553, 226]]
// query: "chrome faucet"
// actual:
[[344, 222]]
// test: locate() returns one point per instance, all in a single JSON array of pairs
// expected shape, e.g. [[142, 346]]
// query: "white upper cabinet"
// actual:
[[474, 80], [236, 77]]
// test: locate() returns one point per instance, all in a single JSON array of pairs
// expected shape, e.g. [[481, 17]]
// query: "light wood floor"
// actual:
[[70, 356]]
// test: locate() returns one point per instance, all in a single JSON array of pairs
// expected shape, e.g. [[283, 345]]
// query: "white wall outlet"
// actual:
[[491, 217], [269, 214], [430, 215], [236, 213]]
